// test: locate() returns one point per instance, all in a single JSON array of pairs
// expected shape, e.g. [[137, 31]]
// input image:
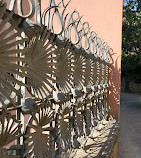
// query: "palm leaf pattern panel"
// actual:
[[64, 68], [9, 67], [87, 117], [39, 64], [78, 122], [10, 131], [88, 71], [39, 141], [63, 138], [94, 72], [78, 74]]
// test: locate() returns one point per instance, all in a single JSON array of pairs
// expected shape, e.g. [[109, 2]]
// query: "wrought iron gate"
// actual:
[[65, 74]]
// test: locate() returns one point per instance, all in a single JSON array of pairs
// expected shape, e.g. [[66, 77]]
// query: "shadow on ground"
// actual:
[[100, 143]]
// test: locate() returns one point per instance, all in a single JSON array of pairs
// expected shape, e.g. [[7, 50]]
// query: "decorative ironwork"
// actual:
[[64, 68], [78, 74], [78, 120], [63, 138], [39, 66], [39, 141], [67, 79], [9, 58], [9, 132]]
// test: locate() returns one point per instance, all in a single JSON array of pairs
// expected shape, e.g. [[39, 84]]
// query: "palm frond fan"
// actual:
[[10, 74], [92, 115], [102, 73], [64, 68], [63, 138], [78, 74], [78, 122], [106, 73], [94, 72], [66, 107], [98, 67], [87, 119], [10, 131], [40, 64], [88, 71], [100, 106], [39, 141]]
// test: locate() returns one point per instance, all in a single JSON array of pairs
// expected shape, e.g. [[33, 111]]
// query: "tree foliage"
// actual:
[[131, 40]]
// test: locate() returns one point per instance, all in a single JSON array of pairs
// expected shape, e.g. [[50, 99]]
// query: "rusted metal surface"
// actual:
[[67, 80]]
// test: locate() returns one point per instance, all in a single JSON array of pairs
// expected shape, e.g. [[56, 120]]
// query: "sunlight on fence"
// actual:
[[54, 80]]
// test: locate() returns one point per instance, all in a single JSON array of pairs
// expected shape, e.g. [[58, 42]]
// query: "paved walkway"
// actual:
[[130, 126]]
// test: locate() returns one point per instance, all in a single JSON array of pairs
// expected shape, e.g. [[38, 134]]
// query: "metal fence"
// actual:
[[53, 84]]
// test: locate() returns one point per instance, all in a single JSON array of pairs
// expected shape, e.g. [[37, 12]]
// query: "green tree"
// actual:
[[131, 40], [131, 26]]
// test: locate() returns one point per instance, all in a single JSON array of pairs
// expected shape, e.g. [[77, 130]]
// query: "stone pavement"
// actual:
[[130, 126]]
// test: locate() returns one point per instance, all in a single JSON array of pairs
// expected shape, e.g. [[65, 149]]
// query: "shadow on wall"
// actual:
[[113, 99]]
